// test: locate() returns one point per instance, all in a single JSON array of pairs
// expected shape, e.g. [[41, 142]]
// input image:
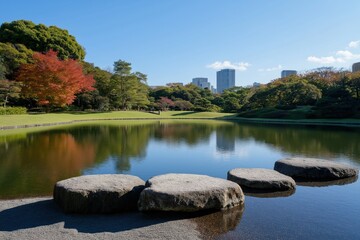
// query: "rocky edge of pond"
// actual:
[[110, 193]]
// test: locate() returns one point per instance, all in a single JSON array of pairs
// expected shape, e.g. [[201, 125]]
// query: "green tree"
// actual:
[[2, 69], [128, 90], [13, 55], [9, 89], [41, 38]]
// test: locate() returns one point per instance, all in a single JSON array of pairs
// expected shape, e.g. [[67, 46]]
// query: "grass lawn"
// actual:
[[48, 118]]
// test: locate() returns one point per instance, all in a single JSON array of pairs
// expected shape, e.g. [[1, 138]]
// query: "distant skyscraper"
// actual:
[[225, 79], [256, 84], [356, 67], [286, 73], [201, 82]]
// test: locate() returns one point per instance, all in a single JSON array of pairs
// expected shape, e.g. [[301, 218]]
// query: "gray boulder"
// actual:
[[106, 193], [314, 169], [189, 193], [259, 178]]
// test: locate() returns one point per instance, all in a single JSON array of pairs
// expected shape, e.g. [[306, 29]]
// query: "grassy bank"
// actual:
[[32, 120]]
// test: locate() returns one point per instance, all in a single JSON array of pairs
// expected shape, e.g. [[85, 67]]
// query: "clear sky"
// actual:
[[177, 40]]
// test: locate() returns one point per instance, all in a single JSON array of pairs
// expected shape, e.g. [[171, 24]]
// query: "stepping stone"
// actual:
[[259, 178], [314, 169], [106, 193], [189, 193]]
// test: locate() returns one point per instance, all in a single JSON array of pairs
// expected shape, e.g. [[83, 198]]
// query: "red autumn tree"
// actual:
[[51, 81], [164, 103]]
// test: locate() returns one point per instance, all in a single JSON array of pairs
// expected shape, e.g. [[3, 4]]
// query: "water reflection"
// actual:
[[214, 224], [31, 162], [267, 194], [225, 139], [339, 182]]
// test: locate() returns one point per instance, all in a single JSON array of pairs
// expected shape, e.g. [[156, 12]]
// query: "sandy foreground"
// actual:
[[40, 218]]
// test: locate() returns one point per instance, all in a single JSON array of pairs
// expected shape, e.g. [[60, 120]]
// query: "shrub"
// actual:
[[12, 110]]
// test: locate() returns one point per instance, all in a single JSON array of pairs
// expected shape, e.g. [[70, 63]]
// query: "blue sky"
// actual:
[[177, 40]]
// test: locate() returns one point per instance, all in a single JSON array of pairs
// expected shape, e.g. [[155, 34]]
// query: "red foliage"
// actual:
[[52, 81], [164, 103]]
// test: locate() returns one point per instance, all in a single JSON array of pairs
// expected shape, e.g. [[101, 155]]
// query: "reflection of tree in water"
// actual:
[[32, 165], [189, 133], [311, 140], [121, 143]]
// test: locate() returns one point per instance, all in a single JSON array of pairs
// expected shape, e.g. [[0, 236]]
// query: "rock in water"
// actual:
[[259, 178], [314, 169], [189, 193], [106, 193]]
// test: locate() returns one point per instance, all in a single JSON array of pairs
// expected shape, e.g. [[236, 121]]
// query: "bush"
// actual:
[[12, 110]]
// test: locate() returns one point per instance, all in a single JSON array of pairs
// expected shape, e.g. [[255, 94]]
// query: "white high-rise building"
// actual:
[[201, 82], [225, 79], [286, 73], [356, 67]]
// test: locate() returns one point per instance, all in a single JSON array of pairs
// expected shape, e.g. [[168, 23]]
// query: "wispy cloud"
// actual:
[[240, 66], [347, 55], [354, 44], [279, 67], [340, 56], [324, 60]]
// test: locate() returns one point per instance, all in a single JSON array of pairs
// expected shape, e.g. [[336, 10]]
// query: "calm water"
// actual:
[[32, 161]]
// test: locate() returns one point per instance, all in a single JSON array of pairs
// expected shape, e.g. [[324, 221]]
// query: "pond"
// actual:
[[33, 160]]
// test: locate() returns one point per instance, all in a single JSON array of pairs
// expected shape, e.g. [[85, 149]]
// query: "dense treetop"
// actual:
[[41, 38]]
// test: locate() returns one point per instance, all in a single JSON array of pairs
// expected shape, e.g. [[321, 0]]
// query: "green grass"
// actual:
[[51, 118], [297, 113]]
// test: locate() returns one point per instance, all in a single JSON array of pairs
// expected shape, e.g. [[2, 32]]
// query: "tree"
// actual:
[[2, 69], [53, 82], [128, 90], [355, 84], [9, 89], [41, 38], [13, 55], [183, 105], [165, 103]]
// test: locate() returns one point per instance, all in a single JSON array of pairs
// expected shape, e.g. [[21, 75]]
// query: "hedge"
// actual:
[[12, 110]]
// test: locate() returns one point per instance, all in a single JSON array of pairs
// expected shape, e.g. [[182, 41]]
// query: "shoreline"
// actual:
[[322, 122]]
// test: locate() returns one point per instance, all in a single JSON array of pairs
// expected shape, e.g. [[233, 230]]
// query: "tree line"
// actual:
[[43, 68]]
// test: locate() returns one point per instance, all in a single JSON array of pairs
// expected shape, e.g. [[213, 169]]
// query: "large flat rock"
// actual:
[[189, 193], [106, 193], [260, 178], [314, 169]]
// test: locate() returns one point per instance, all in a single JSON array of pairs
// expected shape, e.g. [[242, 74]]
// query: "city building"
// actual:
[[225, 79], [201, 82], [286, 73], [256, 84], [356, 67]]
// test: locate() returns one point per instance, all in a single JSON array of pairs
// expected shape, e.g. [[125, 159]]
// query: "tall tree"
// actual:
[[41, 38], [127, 89], [51, 81], [13, 55]]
